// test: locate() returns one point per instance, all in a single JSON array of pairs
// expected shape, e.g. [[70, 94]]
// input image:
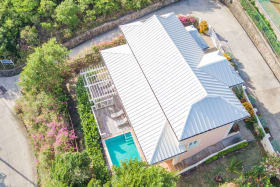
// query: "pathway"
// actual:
[[16, 161]]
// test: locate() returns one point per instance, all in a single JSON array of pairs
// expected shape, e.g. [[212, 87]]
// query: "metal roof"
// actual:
[[166, 95], [197, 37], [217, 65]]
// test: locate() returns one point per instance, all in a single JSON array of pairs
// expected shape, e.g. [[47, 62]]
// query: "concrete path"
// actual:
[[16, 159], [254, 70]]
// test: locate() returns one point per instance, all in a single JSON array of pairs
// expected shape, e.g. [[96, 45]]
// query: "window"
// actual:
[[193, 144]]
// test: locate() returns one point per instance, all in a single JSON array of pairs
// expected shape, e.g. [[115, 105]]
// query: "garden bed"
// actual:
[[204, 174]]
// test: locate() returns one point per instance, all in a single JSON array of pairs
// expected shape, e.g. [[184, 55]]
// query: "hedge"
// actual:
[[225, 152], [262, 24], [91, 134]]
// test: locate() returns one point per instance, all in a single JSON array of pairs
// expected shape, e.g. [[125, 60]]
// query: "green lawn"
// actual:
[[205, 173]]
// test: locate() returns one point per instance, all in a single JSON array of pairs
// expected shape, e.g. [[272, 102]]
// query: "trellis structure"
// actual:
[[99, 86]]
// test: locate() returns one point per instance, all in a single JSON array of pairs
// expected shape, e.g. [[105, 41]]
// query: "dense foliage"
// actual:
[[265, 174], [262, 23], [229, 150], [137, 174], [91, 134], [27, 23], [71, 169], [43, 105]]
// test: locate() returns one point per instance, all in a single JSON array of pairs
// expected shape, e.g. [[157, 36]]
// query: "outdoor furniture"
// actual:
[[7, 62], [122, 121], [117, 114]]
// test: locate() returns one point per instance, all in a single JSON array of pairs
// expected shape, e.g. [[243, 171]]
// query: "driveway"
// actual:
[[258, 76], [16, 159]]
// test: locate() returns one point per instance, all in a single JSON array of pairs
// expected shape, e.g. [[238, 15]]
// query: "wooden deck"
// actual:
[[108, 126]]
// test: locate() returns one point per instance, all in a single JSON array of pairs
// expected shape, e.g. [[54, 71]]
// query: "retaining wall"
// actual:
[[255, 35], [112, 24], [11, 72]]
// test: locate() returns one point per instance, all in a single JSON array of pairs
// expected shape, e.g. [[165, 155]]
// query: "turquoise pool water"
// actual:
[[122, 148]]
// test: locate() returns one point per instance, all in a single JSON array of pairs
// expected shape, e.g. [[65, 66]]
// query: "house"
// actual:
[[176, 96]]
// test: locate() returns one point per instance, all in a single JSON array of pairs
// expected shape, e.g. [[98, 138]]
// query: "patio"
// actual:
[[109, 126], [107, 107]]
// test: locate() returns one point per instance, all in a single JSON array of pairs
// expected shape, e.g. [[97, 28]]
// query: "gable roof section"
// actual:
[[169, 58], [218, 66], [197, 37], [141, 106]]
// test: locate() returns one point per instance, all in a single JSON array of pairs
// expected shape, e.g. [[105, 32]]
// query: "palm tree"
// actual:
[[235, 166]]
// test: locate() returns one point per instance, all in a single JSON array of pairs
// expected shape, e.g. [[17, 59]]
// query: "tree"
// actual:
[[138, 174], [71, 169], [67, 12], [29, 36], [44, 69], [235, 165]]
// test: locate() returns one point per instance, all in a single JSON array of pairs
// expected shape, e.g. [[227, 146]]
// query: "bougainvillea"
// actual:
[[189, 20]]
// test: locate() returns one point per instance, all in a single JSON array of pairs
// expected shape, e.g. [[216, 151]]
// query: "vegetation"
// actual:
[[203, 27], [262, 23], [43, 105], [91, 134], [229, 150], [265, 174], [26, 24], [189, 20], [137, 174], [71, 169], [227, 168]]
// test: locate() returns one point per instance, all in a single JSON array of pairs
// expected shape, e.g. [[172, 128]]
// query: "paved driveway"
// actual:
[[16, 162], [253, 67]]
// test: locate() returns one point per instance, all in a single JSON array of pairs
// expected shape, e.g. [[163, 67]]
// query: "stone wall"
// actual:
[[11, 72], [255, 35], [112, 24]]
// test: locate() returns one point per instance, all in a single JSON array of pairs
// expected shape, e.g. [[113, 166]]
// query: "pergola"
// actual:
[[99, 86]]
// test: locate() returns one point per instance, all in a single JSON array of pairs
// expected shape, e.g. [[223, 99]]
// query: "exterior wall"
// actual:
[[205, 140]]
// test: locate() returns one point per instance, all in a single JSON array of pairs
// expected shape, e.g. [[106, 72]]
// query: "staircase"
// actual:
[[128, 138]]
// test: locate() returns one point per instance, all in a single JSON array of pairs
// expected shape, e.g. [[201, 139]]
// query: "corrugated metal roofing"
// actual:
[[218, 66], [172, 94], [197, 37], [141, 106]]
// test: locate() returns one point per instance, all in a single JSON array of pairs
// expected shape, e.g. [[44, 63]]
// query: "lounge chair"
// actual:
[[122, 122], [117, 114]]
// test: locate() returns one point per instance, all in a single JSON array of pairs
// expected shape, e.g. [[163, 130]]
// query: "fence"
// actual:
[[263, 25], [224, 47]]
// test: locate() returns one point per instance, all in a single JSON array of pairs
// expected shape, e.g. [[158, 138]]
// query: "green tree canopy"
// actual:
[[71, 169], [140, 174], [67, 12], [44, 69]]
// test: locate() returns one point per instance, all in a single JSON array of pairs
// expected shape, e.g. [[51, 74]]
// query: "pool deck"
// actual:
[[108, 127]]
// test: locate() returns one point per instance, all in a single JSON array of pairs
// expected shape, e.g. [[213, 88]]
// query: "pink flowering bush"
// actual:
[[189, 20]]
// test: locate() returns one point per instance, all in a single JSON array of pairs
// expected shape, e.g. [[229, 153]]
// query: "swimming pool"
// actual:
[[122, 148]]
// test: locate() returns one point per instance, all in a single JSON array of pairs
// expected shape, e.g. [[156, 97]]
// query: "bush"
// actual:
[[71, 169], [189, 20], [229, 150], [91, 134], [138, 173], [203, 27], [250, 109], [262, 24]]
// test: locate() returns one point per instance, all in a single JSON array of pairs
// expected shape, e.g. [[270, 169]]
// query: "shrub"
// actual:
[[71, 169], [250, 109], [189, 20], [229, 150], [138, 173], [203, 27], [262, 24], [228, 56], [91, 134]]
